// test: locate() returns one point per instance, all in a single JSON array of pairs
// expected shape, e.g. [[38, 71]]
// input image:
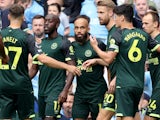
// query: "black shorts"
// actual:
[[22, 103], [109, 102], [153, 109], [83, 106], [127, 100]]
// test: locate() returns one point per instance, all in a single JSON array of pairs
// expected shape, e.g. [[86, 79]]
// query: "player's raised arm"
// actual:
[[108, 56]]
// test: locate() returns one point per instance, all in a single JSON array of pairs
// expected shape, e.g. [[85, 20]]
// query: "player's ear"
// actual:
[[57, 25], [23, 18], [88, 29], [155, 24], [110, 12], [122, 18]]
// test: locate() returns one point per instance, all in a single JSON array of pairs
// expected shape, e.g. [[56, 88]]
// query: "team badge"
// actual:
[[88, 53], [54, 46], [112, 41]]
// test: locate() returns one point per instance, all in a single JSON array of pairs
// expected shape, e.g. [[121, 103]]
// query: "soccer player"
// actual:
[[129, 46], [91, 85], [16, 93], [150, 25], [106, 17], [52, 81]]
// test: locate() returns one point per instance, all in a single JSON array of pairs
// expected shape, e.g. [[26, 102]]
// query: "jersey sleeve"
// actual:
[[115, 41], [101, 45], [153, 44], [67, 49]]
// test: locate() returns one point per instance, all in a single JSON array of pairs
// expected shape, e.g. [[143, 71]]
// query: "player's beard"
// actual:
[[105, 22], [39, 35], [81, 39]]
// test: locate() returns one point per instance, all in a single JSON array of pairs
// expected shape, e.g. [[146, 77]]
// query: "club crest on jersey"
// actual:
[[112, 41], [88, 53], [54, 46]]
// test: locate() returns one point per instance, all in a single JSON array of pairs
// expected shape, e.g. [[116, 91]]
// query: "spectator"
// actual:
[[49, 2], [141, 7], [23, 3], [63, 28], [33, 9], [72, 9], [6, 4], [38, 32], [67, 108], [38, 28], [4, 11]]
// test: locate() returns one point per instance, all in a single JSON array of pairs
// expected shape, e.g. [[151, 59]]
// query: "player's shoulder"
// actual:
[[65, 42], [118, 33], [28, 35], [101, 44], [135, 31]]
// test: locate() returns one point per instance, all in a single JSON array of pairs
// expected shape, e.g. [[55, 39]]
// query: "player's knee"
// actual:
[[105, 115]]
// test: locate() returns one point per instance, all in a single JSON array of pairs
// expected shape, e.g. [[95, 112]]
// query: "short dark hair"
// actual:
[[82, 16], [126, 10], [57, 5], [16, 11], [55, 17]]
